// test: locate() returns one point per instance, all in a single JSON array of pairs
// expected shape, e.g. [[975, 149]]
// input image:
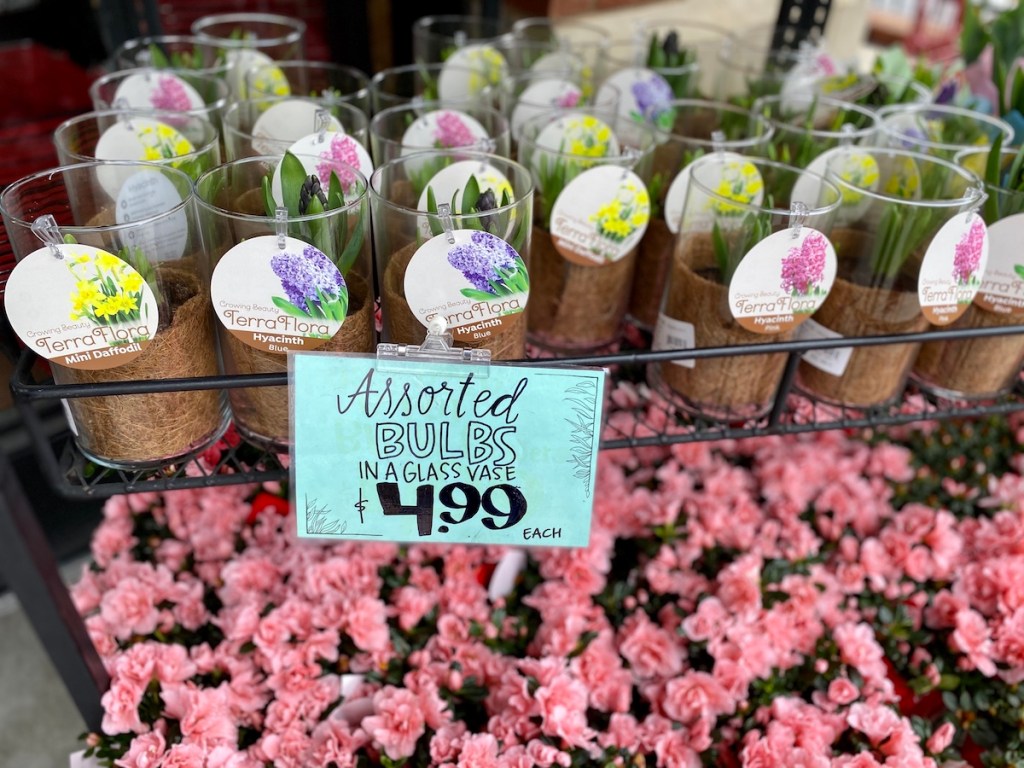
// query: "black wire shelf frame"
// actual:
[[656, 422]]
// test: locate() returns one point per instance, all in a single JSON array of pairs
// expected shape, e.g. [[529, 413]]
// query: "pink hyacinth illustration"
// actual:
[[804, 266], [452, 132], [968, 252], [568, 99], [170, 95], [341, 153]]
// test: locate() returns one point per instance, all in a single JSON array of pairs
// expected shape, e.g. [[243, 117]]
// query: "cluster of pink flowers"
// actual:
[[170, 94], [340, 158], [736, 606], [967, 256], [451, 131], [803, 268]]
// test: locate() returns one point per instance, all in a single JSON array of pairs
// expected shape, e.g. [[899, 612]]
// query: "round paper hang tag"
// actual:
[[558, 61], [600, 216], [734, 178], [1002, 284], [469, 70], [137, 138], [644, 96], [321, 157], [146, 194], [279, 300], [269, 81], [675, 198], [952, 268], [240, 61], [478, 284], [578, 134], [88, 310], [903, 179], [851, 165], [287, 122], [540, 97], [443, 129], [158, 90], [805, 78], [782, 281]]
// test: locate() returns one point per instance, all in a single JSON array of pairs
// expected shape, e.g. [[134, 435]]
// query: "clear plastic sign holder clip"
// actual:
[[436, 348], [45, 228]]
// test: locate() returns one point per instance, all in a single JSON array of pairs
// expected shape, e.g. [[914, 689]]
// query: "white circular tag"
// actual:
[[644, 96], [269, 81], [144, 195], [578, 134], [137, 138], [675, 198], [851, 165], [543, 96], [443, 129], [240, 61], [287, 121], [952, 268], [89, 309], [469, 70], [475, 283], [1002, 285], [158, 90], [277, 300], [804, 78], [557, 61], [734, 178], [600, 216], [320, 158], [782, 281]]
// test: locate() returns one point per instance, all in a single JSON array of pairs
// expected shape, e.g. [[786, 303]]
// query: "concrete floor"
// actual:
[[39, 725]]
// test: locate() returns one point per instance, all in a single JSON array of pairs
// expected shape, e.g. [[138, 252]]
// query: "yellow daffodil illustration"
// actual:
[[625, 214], [740, 182], [107, 290]]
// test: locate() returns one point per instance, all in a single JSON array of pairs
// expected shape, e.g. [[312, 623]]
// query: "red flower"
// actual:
[[264, 501]]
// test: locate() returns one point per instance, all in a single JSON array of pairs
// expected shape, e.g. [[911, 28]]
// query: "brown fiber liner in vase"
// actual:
[[653, 260], [262, 412], [742, 386], [972, 368], [151, 428], [874, 375], [402, 327], [575, 307]]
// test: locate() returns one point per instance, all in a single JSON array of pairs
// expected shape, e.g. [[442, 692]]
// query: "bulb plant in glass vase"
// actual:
[[894, 203]]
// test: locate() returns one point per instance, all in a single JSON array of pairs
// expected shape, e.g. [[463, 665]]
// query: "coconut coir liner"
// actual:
[[402, 327], [152, 428], [873, 375], [742, 386], [972, 367], [574, 307], [653, 260], [262, 412]]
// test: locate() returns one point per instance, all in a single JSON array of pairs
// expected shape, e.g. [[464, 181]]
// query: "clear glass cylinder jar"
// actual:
[[480, 286], [425, 125], [233, 211], [141, 217]]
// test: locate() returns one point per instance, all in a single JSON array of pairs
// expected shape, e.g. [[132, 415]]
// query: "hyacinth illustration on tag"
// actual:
[[107, 290], [313, 285], [451, 131], [803, 270], [623, 215], [967, 257], [170, 95], [741, 182], [569, 99], [653, 96], [337, 158], [492, 267]]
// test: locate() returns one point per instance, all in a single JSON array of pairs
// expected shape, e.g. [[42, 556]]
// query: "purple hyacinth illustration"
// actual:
[[491, 265], [653, 97], [967, 257], [341, 153], [170, 94], [804, 266], [307, 277]]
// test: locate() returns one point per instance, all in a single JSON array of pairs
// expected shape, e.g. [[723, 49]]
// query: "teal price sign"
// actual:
[[424, 451]]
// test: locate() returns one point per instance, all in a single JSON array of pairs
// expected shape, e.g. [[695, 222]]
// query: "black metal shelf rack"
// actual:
[[74, 476]]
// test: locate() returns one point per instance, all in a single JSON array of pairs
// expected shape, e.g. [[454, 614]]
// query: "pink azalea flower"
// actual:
[[398, 723]]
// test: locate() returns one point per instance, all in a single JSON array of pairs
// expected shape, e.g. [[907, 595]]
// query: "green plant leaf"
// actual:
[[293, 176], [352, 248], [335, 192], [973, 36], [157, 57], [288, 308], [470, 195]]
